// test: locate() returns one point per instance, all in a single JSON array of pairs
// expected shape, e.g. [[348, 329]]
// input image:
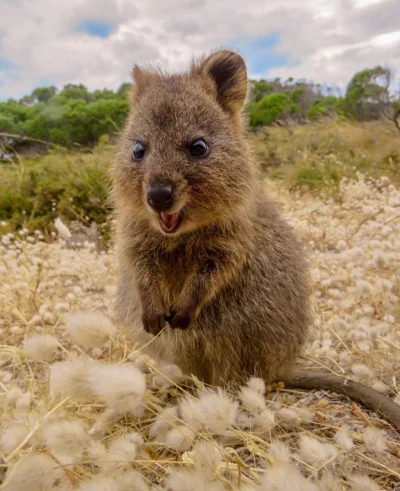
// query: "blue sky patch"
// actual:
[[5, 64], [260, 53], [98, 28]]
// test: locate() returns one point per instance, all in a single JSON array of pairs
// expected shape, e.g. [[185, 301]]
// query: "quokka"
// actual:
[[206, 262]]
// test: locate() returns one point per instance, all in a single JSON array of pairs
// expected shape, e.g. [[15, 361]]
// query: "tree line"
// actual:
[[76, 116], [370, 95], [72, 116]]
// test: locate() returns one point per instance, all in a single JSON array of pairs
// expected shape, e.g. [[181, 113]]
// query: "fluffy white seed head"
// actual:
[[180, 480], [344, 440], [65, 437], [251, 400], [12, 436], [42, 347], [167, 418], [100, 483], [5, 376], [62, 229], [206, 457], [364, 287], [306, 414], [122, 387], [121, 451], [362, 483], [279, 451], [89, 329], [71, 379], [13, 395], [288, 416], [214, 410], [104, 422], [380, 387], [380, 258], [264, 421], [191, 412], [314, 452], [24, 402], [362, 373], [37, 471], [132, 481], [168, 376], [328, 483], [180, 439], [257, 384], [219, 410], [375, 440], [285, 477]]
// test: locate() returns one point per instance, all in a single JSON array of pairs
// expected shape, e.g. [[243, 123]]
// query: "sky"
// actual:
[[96, 42]]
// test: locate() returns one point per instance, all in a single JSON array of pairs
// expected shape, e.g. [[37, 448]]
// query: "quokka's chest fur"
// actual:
[[174, 269]]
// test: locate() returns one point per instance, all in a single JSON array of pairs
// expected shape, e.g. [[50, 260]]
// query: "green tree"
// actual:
[[123, 89], [326, 107], [270, 109], [72, 91], [44, 94], [367, 93], [8, 125], [260, 88]]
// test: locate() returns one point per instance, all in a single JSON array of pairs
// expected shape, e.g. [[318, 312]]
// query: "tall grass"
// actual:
[[317, 156], [70, 184]]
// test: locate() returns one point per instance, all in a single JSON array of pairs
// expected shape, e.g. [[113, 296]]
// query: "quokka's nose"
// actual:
[[160, 195]]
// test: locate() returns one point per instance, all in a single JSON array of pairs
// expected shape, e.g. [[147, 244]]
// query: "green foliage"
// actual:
[[260, 89], [44, 94], [72, 116], [310, 177], [270, 108], [68, 185], [7, 124], [288, 100], [368, 97], [367, 91], [76, 116], [329, 106]]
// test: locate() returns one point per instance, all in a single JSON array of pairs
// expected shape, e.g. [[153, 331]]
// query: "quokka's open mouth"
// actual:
[[170, 221]]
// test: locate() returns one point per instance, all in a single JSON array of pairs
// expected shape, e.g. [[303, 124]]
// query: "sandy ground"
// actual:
[[82, 409]]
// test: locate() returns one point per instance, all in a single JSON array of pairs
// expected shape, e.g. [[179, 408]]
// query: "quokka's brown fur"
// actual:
[[232, 279], [234, 267]]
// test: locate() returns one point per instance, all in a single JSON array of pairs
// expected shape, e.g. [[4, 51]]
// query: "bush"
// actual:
[[269, 109], [67, 185]]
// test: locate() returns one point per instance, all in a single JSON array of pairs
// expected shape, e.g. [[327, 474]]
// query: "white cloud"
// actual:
[[324, 40]]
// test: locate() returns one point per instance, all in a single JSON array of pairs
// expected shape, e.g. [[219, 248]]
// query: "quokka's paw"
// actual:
[[180, 320], [153, 324]]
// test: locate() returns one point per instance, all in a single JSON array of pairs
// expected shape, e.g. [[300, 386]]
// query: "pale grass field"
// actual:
[[69, 420]]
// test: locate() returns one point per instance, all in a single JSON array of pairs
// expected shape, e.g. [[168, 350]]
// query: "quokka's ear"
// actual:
[[228, 72], [141, 79]]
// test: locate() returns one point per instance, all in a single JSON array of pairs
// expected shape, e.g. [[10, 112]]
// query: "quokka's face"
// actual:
[[182, 160]]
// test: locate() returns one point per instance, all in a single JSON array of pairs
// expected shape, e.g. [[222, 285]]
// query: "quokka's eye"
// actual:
[[199, 148], [138, 152]]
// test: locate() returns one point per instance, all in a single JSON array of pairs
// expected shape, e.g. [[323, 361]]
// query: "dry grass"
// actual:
[[317, 156], [355, 257]]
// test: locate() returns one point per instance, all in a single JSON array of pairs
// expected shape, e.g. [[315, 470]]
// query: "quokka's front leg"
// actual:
[[152, 304], [212, 272]]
